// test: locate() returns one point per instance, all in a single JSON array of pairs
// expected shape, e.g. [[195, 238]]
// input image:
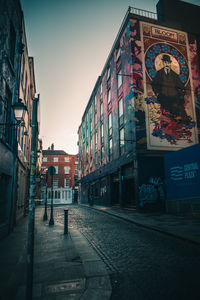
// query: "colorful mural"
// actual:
[[170, 115], [193, 56]]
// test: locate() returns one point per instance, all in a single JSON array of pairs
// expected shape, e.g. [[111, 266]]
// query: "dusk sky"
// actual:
[[70, 41]]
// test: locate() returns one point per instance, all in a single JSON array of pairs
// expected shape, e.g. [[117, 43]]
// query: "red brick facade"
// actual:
[[66, 164]]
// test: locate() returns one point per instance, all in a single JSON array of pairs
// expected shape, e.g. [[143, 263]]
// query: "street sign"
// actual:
[[51, 170], [44, 171]]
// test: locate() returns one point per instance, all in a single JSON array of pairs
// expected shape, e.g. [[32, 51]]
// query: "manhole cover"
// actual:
[[66, 286]]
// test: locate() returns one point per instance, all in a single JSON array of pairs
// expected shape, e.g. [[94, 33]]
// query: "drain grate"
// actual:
[[66, 286]]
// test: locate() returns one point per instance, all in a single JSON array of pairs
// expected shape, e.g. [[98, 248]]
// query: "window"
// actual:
[[44, 159], [96, 158], [67, 159], [102, 133], [95, 118], [55, 159], [101, 109], [108, 96], [25, 86], [67, 182], [121, 137], [102, 153], [66, 168], [12, 41], [22, 138], [91, 162], [23, 68], [108, 74], [119, 79], [96, 140], [56, 167], [91, 125], [55, 182], [121, 111], [110, 124], [110, 149], [101, 88], [7, 116], [118, 53], [76, 161]]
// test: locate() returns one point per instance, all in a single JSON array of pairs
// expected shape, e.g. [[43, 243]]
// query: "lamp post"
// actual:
[[51, 171], [45, 217], [19, 109]]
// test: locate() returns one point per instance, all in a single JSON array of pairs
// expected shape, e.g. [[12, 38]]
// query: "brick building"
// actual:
[[64, 185], [132, 120]]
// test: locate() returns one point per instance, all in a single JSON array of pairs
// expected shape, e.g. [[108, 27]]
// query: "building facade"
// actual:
[[17, 83], [64, 185], [144, 104]]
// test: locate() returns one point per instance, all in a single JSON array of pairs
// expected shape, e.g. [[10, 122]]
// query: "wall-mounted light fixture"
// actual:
[[20, 110]]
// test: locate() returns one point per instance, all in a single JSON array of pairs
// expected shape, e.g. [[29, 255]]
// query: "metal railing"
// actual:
[[143, 13]]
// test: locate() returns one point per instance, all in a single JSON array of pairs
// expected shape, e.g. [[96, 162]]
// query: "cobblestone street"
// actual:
[[143, 264]]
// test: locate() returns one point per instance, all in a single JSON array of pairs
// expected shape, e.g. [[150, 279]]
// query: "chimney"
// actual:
[[52, 147]]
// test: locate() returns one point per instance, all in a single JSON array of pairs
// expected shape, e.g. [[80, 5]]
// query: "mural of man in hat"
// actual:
[[170, 91]]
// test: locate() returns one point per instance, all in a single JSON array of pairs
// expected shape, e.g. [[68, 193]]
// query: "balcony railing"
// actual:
[[143, 13]]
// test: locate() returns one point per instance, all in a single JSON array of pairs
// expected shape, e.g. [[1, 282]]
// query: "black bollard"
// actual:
[[66, 221]]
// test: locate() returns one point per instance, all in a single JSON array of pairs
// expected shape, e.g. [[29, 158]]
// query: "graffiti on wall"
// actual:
[[170, 116], [152, 192]]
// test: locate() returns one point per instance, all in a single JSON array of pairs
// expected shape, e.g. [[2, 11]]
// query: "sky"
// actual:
[[70, 41]]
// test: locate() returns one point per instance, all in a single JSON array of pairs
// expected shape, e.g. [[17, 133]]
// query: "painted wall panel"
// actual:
[[182, 174], [170, 113]]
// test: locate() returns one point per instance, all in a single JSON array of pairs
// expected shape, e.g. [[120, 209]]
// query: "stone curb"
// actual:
[[147, 226]]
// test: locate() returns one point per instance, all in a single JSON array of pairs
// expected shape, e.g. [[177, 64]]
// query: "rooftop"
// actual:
[[54, 152]]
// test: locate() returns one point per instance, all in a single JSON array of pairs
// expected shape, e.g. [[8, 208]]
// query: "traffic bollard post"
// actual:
[[65, 221]]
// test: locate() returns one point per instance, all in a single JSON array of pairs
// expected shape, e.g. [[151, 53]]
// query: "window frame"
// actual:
[[118, 53], [110, 147], [110, 124], [108, 96], [65, 170]]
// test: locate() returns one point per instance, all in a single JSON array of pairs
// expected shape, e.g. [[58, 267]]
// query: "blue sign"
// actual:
[[182, 173]]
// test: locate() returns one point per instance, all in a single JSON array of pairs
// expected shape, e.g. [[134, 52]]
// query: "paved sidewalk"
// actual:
[[13, 261], [65, 266], [185, 228]]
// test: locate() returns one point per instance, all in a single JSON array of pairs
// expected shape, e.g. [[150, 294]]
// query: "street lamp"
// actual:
[[19, 110]]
